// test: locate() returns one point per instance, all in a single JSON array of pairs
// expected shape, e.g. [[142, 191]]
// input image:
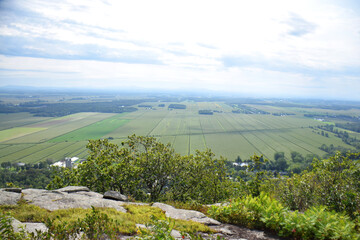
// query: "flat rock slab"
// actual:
[[28, 226], [115, 196], [73, 189], [192, 215], [9, 198], [54, 200]]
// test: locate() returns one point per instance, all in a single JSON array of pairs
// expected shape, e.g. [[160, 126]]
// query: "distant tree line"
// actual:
[[354, 126], [283, 114], [44, 109], [240, 108], [145, 106], [331, 150], [177, 106], [309, 104], [343, 135], [338, 117], [206, 112]]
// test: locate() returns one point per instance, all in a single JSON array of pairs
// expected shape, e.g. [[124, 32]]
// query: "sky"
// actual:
[[261, 48]]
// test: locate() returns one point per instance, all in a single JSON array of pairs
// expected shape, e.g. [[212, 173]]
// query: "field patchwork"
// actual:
[[225, 133]]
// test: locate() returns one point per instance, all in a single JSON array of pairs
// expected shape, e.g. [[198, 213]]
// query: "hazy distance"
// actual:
[[307, 49]]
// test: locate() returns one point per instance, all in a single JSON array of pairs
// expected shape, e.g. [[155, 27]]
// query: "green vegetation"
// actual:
[[322, 203], [332, 182], [149, 170], [327, 195], [241, 108], [93, 223], [319, 203], [286, 187], [36, 175], [177, 106], [7, 230], [206, 112], [263, 212], [350, 126]]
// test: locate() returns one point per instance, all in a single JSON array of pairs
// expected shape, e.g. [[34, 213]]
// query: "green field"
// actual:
[[11, 133], [11, 120], [227, 134], [94, 131]]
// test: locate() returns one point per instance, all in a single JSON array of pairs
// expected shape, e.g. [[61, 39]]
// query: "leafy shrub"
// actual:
[[161, 228], [263, 212], [95, 225], [318, 223], [254, 212], [7, 230], [332, 182], [157, 229]]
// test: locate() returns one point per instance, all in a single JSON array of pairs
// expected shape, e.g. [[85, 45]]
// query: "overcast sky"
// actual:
[[262, 48]]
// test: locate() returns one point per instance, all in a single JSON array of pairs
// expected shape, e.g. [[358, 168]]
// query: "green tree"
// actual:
[[156, 163], [296, 157], [149, 170], [107, 167], [333, 182], [280, 163]]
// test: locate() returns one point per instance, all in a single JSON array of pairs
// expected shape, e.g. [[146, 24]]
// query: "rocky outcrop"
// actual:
[[192, 215], [82, 197], [69, 197], [28, 226], [115, 196], [9, 197], [63, 198]]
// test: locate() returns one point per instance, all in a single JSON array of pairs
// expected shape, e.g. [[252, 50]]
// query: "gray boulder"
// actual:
[[192, 215], [69, 198], [28, 226], [115, 196], [9, 198], [176, 234]]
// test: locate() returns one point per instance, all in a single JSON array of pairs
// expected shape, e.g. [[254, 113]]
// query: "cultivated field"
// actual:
[[24, 138]]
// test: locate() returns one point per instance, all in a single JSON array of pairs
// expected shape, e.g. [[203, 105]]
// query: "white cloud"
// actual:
[[279, 46]]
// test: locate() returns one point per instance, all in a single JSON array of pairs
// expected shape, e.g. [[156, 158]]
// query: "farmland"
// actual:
[[24, 138]]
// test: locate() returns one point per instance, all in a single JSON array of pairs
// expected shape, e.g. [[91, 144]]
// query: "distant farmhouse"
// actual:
[[68, 162]]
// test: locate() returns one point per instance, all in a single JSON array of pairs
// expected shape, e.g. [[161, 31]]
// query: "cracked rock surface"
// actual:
[[82, 197], [69, 198]]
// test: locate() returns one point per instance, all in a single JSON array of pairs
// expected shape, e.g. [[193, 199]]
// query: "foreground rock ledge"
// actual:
[[82, 197], [63, 198]]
